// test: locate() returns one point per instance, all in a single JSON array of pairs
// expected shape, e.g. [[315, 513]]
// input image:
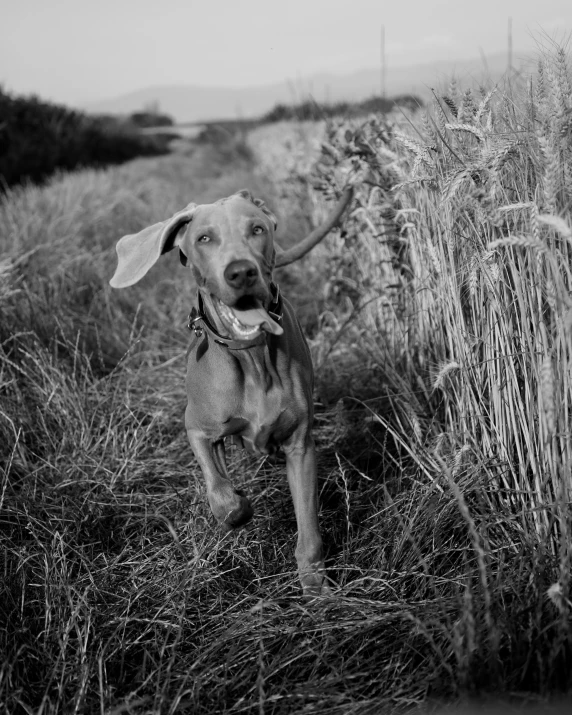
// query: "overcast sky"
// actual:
[[77, 51]]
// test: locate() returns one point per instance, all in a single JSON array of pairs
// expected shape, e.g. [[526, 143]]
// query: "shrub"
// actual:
[[151, 119], [310, 109], [37, 138]]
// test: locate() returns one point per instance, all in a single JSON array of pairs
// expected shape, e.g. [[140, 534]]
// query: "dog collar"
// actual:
[[199, 322]]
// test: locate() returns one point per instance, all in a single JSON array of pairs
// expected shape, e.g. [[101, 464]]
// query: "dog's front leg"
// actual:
[[229, 507], [302, 478]]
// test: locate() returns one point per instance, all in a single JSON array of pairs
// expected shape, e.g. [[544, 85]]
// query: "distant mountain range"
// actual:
[[192, 103]]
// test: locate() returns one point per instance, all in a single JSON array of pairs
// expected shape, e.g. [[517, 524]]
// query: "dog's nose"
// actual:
[[241, 274]]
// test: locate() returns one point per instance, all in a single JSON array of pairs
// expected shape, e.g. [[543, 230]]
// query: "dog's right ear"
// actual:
[[245, 193], [138, 252]]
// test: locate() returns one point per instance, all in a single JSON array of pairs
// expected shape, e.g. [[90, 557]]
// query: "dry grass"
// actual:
[[441, 319]]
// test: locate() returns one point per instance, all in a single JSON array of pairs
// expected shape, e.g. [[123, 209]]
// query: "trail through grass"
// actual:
[[442, 444]]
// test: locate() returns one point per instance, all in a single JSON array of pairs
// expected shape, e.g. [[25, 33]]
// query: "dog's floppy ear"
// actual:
[[138, 252], [245, 193]]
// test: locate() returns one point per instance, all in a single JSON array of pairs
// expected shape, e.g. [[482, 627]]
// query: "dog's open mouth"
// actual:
[[247, 319]]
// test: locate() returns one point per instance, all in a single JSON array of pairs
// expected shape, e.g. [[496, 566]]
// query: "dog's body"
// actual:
[[249, 370]]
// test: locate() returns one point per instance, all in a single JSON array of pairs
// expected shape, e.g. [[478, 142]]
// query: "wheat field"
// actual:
[[440, 323]]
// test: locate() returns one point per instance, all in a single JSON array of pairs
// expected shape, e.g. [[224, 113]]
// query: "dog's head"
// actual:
[[229, 246]]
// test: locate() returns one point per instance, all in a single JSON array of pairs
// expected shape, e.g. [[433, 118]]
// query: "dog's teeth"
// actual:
[[243, 331]]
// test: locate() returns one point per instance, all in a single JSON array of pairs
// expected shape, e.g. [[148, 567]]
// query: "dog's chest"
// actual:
[[258, 400], [269, 417]]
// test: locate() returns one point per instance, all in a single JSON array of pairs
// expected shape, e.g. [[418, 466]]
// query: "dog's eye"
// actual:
[[257, 230], [203, 239]]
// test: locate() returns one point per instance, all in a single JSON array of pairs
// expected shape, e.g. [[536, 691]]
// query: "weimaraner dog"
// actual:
[[249, 371]]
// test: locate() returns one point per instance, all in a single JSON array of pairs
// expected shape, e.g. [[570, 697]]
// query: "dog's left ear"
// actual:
[[245, 193], [138, 252]]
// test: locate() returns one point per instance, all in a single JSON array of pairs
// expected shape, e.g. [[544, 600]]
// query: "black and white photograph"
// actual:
[[285, 357]]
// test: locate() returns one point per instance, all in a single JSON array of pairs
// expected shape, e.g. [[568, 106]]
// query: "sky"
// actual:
[[81, 51]]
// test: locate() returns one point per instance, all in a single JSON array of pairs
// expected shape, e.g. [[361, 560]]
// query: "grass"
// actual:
[[439, 326]]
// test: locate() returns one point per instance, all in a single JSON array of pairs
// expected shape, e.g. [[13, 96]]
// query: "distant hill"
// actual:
[[187, 103]]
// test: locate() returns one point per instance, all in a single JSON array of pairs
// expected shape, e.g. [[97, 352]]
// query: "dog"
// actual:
[[249, 370]]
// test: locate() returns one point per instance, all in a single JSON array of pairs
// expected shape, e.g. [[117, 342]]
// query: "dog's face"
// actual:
[[219, 235], [229, 245]]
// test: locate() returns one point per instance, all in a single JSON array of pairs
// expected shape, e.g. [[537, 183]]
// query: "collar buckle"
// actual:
[[275, 308], [193, 322]]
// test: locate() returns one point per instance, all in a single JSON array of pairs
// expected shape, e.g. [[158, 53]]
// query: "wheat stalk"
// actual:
[[470, 128], [444, 371]]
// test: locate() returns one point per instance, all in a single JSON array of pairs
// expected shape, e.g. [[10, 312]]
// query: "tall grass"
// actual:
[[470, 236], [438, 322], [458, 262]]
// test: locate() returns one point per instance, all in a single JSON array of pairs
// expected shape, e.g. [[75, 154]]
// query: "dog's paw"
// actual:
[[316, 585], [239, 515]]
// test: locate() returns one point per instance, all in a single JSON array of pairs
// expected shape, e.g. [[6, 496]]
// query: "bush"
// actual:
[[37, 138], [151, 119], [312, 110]]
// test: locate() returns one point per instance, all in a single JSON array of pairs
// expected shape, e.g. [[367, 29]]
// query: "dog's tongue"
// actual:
[[258, 316]]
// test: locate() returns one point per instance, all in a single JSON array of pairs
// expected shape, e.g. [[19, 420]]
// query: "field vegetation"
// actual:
[[439, 319]]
